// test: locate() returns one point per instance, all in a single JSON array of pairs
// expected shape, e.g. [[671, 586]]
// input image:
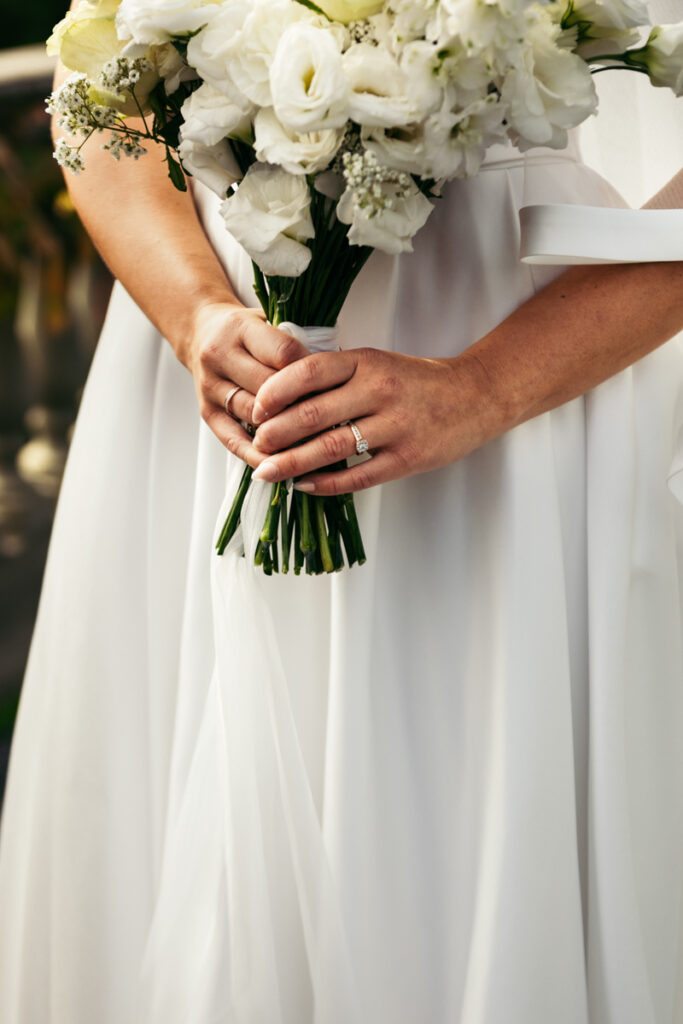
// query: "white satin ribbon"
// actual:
[[568, 234], [316, 339]]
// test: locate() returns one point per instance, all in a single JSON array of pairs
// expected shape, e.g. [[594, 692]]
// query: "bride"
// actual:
[[443, 787]]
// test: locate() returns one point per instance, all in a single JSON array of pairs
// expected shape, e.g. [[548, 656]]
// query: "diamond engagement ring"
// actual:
[[361, 444], [228, 399]]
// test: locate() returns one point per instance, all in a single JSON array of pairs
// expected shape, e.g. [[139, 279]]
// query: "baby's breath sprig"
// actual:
[[375, 187]]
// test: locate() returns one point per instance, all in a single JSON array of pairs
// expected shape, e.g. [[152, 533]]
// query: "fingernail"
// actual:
[[304, 485], [266, 471], [259, 414]]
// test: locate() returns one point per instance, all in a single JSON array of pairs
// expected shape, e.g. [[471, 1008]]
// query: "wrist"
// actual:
[[480, 400], [202, 309]]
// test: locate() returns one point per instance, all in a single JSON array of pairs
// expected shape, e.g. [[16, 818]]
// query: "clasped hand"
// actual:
[[416, 413]]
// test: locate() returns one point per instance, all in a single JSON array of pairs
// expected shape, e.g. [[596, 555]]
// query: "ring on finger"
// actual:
[[228, 399], [362, 445]]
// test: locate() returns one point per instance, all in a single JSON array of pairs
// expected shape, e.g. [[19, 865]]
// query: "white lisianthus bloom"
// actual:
[[402, 149], [214, 166], [297, 154], [270, 216], [662, 57], [309, 88], [86, 38], [155, 21], [209, 116], [390, 229], [236, 49], [350, 10], [171, 67], [550, 89], [380, 92], [610, 14]]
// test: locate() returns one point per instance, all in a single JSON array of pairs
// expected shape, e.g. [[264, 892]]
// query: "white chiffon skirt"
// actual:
[[442, 788]]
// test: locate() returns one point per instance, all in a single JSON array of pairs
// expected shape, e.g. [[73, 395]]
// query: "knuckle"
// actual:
[[334, 445], [286, 351], [309, 415], [307, 371]]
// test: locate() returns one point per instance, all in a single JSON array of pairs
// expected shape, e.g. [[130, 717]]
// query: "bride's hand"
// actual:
[[233, 346], [416, 414]]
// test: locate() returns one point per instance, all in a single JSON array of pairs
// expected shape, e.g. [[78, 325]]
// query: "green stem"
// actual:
[[233, 519], [323, 543]]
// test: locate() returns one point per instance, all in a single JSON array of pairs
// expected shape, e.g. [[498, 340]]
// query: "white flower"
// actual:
[[400, 148], [455, 141], [270, 216], [389, 228], [550, 89], [475, 26], [171, 67], [235, 51], [209, 116], [619, 14], [381, 95], [214, 165], [297, 154], [155, 21], [309, 88], [663, 57]]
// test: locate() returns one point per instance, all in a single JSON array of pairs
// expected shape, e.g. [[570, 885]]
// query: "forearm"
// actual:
[[150, 236], [587, 325]]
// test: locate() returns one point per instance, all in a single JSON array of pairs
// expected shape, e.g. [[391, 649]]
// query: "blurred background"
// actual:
[[53, 296]]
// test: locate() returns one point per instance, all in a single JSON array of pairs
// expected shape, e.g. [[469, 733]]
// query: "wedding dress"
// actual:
[[442, 788]]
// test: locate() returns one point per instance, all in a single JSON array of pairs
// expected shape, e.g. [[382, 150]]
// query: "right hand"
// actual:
[[234, 345]]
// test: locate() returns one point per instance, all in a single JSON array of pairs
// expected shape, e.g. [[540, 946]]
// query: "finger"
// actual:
[[237, 403], [271, 346], [378, 470], [311, 416], [311, 375], [233, 435], [322, 451]]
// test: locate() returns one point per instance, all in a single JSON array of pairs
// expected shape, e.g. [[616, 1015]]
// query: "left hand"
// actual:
[[416, 414]]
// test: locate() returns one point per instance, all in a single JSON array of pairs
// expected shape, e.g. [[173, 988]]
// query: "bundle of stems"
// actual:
[[302, 531]]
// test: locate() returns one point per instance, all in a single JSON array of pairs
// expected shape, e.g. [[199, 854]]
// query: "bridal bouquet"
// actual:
[[328, 128]]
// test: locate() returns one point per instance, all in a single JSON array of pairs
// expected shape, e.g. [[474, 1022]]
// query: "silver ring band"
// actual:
[[228, 399], [361, 444]]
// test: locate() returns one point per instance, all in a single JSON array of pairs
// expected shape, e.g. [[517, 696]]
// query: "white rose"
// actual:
[[270, 216], [550, 89], [297, 154], [155, 21], [214, 166], [390, 229], [309, 88], [209, 116], [381, 95], [235, 51], [663, 57]]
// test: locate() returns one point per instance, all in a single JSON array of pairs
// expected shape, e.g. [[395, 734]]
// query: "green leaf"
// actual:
[[175, 172], [313, 7]]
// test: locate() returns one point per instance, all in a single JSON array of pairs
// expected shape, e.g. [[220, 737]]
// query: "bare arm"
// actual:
[[150, 236]]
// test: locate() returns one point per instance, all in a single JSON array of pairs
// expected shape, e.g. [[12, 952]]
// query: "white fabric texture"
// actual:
[[442, 788]]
